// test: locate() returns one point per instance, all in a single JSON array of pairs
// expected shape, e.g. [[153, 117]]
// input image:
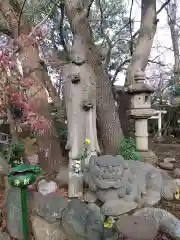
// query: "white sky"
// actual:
[[162, 41]]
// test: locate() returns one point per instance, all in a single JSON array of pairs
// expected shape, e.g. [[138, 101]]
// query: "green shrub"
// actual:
[[13, 154], [127, 149]]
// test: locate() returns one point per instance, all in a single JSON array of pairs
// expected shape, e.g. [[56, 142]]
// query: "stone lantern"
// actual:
[[141, 110]]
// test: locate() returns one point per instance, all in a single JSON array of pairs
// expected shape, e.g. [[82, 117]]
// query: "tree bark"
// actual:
[[145, 39], [109, 126], [172, 21], [50, 153]]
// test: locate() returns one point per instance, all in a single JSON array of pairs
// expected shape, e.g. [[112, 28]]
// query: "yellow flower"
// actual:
[[87, 141], [108, 223], [177, 194]]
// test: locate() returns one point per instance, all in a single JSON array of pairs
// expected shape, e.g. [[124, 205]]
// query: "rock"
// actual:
[[117, 207], [151, 198], [49, 207], [176, 173], [164, 220], [46, 231], [165, 175], [177, 181], [81, 222], [4, 236], [136, 228], [169, 160], [13, 213], [166, 166], [90, 197], [110, 234], [154, 180], [46, 188], [107, 195], [169, 190], [95, 208], [167, 194]]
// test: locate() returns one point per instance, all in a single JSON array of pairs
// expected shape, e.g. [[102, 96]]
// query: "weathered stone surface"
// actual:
[[151, 198], [164, 220], [49, 207], [90, 197], [46, 188], [43, 230], [176, 173], [113, 179], [169, 160], [167, 194], [4, 236], [177, 182], [136, 228], [169, 189], [166, 166], [154, 181], [165, 175], [110, 234], [107, 195], [82, 222], [117, 207], [13, 213]]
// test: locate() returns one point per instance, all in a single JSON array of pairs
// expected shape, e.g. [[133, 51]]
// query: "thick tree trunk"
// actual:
[[145, 39], [51, 156], [109, 127], [172, 21]]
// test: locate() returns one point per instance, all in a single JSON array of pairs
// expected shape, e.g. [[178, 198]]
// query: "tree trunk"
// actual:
[[109, 127], [145, 39], [51, 156], [172, 21]]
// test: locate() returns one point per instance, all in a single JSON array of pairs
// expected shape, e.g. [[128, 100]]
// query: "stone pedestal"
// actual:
[[140, 111]]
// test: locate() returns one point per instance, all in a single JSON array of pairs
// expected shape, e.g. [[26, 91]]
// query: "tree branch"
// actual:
[[20, 16], [89, 8]]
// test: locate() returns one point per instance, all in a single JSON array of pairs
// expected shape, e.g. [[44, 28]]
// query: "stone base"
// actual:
[[149, 157]]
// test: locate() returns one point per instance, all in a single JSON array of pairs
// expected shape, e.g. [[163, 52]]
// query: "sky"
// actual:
[[162, 45]]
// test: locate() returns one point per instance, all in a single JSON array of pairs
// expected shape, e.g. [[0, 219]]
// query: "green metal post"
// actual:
[[24, 209]]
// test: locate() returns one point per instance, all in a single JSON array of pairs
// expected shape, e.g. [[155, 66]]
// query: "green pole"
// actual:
[[24, 210]]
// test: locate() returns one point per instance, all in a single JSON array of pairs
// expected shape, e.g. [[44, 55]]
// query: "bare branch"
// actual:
[[163, 6], [130, 25], [89, 8], [20, 16]]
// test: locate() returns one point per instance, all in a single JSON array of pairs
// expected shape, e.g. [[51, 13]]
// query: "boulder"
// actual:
[[45, 230], [136, 228], [48, 207], [46, 188], [81, 222], [118, 207], [13, 213], [166, 166]]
